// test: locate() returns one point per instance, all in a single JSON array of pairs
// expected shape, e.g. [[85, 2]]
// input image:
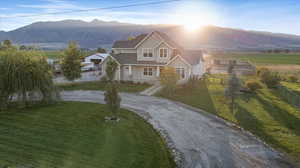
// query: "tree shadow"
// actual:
[[249, 122], [281, 115]]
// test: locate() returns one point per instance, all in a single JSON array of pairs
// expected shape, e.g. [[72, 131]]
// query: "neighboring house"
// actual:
[[92, 62], [142, 58], [221, 65]]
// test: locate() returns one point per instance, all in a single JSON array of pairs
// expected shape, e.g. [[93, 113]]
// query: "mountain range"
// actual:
[[97, 33]]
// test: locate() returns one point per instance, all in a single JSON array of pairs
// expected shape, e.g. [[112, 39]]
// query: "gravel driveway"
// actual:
[[203, 140]]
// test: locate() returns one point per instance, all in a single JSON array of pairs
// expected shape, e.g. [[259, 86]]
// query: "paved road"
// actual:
[[204, 140]]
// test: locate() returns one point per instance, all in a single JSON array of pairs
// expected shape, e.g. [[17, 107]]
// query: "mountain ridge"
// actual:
[[98, 33]]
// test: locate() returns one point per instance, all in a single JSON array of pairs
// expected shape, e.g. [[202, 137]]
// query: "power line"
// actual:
[[94, 9]]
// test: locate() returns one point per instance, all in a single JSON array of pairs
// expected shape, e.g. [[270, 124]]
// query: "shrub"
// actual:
[[168, 78], [262, 71], [103, 79], [271, 79], [292, 78], [253, 85]]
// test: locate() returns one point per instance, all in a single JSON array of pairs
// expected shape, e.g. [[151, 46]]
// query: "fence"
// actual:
[[291, 97]]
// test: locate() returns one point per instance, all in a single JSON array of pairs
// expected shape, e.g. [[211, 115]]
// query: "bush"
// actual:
[[103, 79], [253, 85], [262, 71], [271, 79], [292, 78]]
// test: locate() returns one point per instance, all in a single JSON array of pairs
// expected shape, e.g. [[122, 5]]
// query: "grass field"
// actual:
[[75, 135], [59, 54], [98, 85], [265, 114], [295, 87], [265, 58], [53, 54]]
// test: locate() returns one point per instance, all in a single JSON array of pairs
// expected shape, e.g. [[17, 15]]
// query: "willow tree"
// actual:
[[71, 63], [25, 76]]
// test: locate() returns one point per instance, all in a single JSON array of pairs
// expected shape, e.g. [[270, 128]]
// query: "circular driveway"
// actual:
[[203, 140]]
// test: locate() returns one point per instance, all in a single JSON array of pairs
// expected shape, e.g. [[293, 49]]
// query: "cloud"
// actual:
[[4, 8], [54, 6]]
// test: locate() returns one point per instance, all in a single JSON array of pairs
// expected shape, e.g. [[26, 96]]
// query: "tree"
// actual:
[[233, 89], [24, 74], [271, 79], [23, 47], [6, 44], [101, 50], [111, 68], [112, 97], [71, 63], [169, 78]]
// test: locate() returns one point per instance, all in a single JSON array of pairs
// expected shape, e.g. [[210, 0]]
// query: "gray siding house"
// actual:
[[141, 59]]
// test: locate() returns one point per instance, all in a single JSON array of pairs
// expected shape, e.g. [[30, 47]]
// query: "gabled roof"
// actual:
[[136, 41], [129, 43], [192, 56]]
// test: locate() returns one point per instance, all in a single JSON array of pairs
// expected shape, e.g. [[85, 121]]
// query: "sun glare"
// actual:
[[191, 27]]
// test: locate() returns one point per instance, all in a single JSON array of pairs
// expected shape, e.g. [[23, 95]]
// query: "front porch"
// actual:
[[149, 73]]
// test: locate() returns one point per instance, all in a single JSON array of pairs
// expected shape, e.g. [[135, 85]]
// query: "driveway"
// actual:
[[203, 140]]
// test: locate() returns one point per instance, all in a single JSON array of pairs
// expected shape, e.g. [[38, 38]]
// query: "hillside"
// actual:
[[100, 33]]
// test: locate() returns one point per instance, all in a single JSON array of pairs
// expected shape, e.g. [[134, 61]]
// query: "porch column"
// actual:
[[157, 71], [130, 70]]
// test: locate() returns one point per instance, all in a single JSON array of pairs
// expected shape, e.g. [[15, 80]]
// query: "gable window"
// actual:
[[147, 52], [163, 52], [180, 72], [148, 71]]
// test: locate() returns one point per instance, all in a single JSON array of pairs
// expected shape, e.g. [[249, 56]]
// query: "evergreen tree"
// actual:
[[233, 89], [112, 97], [71, 63]]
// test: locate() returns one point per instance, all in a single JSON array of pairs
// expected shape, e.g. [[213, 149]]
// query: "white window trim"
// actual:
[[181, 72], [149, 50], [147, 74], [163, 50]]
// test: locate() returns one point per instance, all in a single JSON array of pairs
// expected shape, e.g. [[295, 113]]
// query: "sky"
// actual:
[[280, 16]]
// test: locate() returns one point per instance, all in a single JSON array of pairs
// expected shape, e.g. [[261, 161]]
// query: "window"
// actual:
[[163, 52], [148, 71], [147, 52], [180, 72]]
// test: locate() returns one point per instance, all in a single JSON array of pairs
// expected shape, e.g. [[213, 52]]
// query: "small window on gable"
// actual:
[[163, 52], [147, 52]]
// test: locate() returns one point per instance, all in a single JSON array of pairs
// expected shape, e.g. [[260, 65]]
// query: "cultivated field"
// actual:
[[264, 58]]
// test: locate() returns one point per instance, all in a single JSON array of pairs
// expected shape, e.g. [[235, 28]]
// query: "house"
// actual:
[[142, 59], [92, 62], [221, 66]]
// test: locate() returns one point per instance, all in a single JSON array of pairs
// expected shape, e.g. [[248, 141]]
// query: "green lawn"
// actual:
[[74, 135], [198, 97], [98, 85], [295, 87], [265, 114], [53, 54], [265, 58]]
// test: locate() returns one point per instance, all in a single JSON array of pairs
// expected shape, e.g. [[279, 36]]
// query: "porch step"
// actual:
[[151, 90]]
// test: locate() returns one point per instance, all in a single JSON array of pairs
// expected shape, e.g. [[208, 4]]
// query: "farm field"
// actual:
[[265, 114], [73, 134], [265, 58]]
